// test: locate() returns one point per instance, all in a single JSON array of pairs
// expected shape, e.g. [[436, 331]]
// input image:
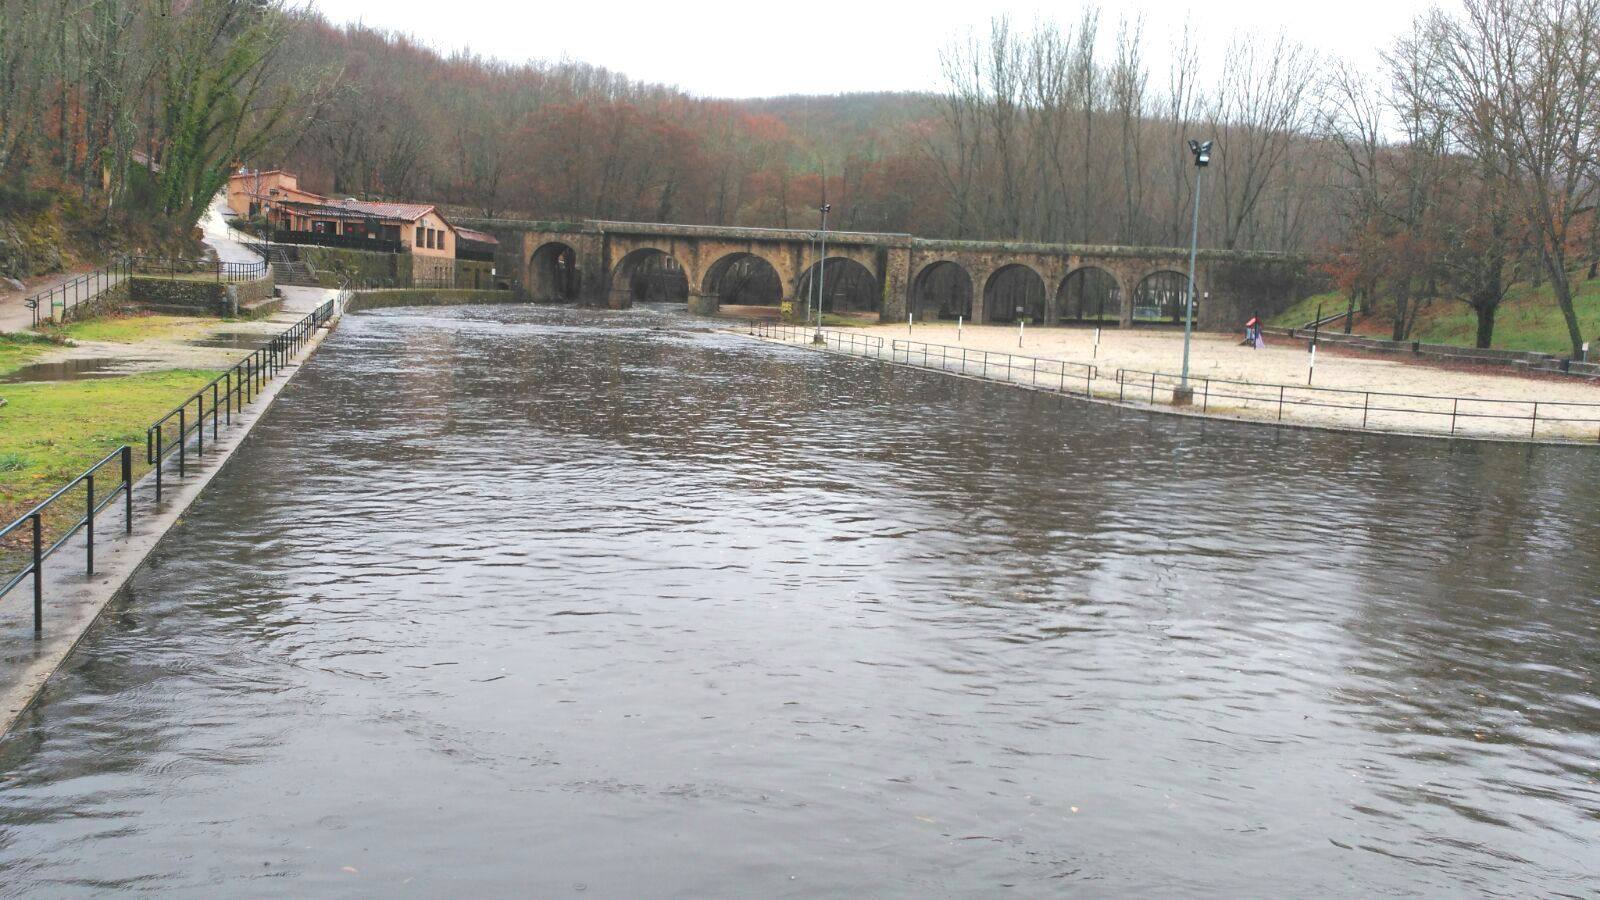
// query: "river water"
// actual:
[[538, 602]]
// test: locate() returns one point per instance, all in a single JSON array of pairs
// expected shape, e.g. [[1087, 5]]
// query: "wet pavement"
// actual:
[[549, 602]]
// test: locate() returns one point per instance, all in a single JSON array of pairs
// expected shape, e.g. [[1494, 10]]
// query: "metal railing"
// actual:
[[345, 241], [1058, 375], [176, 267], [1348, 408], [1352, 408], [1051, 374], [228, 391], [33, 520], [228, 394], [70, 295], [841, 341]]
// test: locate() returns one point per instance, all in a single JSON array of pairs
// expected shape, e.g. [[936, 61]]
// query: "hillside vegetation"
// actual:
[[1528, 319]]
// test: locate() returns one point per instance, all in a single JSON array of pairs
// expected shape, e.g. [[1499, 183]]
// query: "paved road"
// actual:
[[214, 231]]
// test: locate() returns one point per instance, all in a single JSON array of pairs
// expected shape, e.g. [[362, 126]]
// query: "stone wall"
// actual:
[[383, 299], [473, 274], [199, 297], [331, 265], [1242, 289], [107, 300]]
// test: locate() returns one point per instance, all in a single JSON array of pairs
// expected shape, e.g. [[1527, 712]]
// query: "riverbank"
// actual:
[[71, 394], [74, 601], [1348, 390]]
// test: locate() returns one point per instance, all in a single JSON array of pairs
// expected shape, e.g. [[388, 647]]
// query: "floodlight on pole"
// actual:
[[1202, 158], [822, 267]]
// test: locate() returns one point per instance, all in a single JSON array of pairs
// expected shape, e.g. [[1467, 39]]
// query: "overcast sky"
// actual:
[[755, 49]]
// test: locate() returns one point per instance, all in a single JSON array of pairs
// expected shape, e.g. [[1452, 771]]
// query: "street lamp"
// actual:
[[1202, 158], [822, 269]]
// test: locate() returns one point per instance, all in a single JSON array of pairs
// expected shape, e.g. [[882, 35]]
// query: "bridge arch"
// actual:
[[647, 275], [847, 286], [743, 279], [942, 290], [1013, 287], [1160, 298], [1089, 294], [553, 274]]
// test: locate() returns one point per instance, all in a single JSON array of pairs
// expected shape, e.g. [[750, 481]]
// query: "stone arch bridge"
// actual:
[[614, 264]]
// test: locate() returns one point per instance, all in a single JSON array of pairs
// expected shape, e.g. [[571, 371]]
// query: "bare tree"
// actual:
[[1262, 106]]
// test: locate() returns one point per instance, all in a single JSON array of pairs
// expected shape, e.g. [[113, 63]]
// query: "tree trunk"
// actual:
[[1401, 300], [1485, 313], [1555, 263]]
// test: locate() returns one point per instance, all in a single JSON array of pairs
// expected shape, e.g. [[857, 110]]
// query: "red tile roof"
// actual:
[[409, 212], [479, 237]]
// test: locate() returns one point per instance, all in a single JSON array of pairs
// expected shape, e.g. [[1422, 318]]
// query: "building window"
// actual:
[[418, 241]]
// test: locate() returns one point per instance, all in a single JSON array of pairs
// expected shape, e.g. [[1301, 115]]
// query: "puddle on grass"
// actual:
[[233, 340], [72, 370]]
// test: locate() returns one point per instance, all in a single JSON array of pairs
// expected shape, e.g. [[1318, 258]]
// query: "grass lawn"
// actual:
[[1528, 319], [134, 329], [17, 350], [51, 432]]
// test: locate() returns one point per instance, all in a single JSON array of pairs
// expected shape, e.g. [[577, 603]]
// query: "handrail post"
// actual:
[[1455, 406], [1535, 430], [38, 573], [183, 440], [200, 424], [127, 488], [1280, 403], [214, 389], [88, 526], [157, 460]]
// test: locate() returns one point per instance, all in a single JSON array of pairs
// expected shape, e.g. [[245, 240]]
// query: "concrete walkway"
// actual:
[[214, 231], [14, 316]]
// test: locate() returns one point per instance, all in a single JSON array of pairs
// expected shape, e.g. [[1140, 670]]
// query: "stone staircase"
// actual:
[[288, 268]]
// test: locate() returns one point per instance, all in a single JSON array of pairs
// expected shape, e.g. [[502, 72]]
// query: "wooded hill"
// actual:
[[1466, 162]]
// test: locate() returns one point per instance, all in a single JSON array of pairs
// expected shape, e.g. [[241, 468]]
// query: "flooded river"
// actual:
[[536, 602]]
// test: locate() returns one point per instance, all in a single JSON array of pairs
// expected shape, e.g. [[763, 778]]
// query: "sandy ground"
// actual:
[[1487, 401]]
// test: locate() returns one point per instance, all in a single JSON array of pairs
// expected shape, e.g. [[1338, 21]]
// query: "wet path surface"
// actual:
[[544, 602]]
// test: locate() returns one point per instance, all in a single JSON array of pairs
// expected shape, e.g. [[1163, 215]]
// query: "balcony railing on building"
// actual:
[[371, 244]]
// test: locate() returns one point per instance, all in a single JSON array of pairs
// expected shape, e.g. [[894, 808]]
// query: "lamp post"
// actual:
[[822, 269], [1202, 158]]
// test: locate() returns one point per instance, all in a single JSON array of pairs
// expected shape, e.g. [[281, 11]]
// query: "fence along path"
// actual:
[[72, 511], [1563, 422]]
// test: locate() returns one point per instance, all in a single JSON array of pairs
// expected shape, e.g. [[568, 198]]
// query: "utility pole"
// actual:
[[822, 270], [1184, 395]]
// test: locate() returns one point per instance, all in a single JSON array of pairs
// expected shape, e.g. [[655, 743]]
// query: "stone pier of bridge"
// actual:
[[616, 264]]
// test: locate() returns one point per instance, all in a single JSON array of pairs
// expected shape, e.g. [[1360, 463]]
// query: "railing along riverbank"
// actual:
[[34, 522], [170, 435], [1362, 410], [1549, 421]]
